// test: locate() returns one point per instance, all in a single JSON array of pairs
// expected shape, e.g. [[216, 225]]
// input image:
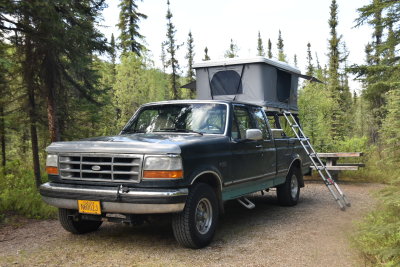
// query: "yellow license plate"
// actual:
[[89, 206]]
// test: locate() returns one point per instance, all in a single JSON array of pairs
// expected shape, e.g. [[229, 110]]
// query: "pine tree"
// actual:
[[280, 45], [206, 57], [189, 56], [129, 19], [269, 48], [260, 47], [382, 66], [163, 57], [333, 85], [295, 60], [310, 66], [113, 54], [172, 48], [232, 51]]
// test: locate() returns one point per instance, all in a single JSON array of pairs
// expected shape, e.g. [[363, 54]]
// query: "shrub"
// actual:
[[378, 236], [19, 194]]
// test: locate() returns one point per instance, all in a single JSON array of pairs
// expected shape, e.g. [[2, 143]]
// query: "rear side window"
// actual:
[[241, 122], [261, 122]]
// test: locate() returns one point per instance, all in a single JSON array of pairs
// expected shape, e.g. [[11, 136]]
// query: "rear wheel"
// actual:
[[289, 192], [76, 226], [195, 226]]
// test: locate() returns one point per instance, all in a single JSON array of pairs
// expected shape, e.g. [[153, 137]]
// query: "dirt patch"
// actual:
[[313, 233]]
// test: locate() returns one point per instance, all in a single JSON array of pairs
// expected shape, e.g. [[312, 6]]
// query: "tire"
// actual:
[[76, 226], [195, 226], [289, 192]]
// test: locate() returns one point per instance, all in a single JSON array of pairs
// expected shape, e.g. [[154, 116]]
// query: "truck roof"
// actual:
[[190, 101]]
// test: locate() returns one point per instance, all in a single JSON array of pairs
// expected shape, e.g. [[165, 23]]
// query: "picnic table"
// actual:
[[334, 167]]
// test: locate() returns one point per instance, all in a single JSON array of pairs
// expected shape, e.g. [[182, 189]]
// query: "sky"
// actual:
[[214, 23]]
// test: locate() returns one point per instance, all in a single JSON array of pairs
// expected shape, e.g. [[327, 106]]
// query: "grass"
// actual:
[[18, 194]]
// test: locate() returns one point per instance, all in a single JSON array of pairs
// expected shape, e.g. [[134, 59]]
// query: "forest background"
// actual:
[[61, 79]]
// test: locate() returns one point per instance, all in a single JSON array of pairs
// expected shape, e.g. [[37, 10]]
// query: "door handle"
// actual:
[[259, 146]]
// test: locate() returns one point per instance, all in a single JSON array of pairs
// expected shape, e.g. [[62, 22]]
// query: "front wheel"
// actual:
[[289, 192], [195, 226], [76, 226]]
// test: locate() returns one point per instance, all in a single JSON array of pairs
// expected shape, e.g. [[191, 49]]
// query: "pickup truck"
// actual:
[[184, 158]]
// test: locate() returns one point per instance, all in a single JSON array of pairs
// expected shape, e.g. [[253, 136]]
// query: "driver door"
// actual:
[[246, 154]]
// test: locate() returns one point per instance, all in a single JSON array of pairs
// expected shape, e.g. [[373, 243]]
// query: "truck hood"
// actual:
[[133, 143]]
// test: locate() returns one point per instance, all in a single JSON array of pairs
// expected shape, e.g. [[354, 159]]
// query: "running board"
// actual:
[[246, 203]]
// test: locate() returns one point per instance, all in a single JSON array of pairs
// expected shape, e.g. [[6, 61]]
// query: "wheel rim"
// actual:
[[294, 186], [203, 216]]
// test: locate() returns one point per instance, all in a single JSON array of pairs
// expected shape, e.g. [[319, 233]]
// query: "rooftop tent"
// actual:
[[262, 81]]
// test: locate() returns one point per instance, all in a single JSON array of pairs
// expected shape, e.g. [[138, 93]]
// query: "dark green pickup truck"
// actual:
[[185, 158]]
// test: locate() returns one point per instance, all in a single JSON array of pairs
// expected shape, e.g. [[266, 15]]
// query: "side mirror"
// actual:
[[254, 134]]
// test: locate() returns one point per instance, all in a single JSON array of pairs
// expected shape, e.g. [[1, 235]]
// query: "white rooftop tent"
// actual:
[[269, 83]]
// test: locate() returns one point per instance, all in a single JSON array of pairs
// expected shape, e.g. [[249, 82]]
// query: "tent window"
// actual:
[[283, 86], [226, 83]]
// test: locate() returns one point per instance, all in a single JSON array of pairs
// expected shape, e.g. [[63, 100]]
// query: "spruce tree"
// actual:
[[260, 47], [232, 51], [269, 48], [333, 85], [128, 24], [280, 45], [172, 48], [310, 66], [189, 56], [206, 57], [163, 57], [113, 54], [380, 74]]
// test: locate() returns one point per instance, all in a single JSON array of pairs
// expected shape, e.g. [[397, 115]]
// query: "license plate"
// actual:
[[89, 206]]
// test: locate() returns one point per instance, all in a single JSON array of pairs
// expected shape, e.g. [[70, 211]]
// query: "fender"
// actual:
[[296, 157]]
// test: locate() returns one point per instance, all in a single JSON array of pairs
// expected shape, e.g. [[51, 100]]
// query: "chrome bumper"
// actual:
[[135, 201]]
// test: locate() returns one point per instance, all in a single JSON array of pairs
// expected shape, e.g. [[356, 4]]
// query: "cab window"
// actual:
[[241, 122]]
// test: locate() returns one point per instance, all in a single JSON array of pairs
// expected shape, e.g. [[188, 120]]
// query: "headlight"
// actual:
[[163, 167], [52, 164]]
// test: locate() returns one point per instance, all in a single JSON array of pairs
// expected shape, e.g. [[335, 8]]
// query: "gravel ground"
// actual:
[[313, 233]]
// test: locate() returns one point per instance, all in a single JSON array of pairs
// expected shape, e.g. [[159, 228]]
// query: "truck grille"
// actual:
[[101, 167]]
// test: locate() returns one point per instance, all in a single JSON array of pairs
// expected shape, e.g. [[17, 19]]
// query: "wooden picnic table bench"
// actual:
[[332, 165]]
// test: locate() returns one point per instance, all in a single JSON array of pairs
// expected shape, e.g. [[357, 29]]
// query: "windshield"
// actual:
[[200, 118]]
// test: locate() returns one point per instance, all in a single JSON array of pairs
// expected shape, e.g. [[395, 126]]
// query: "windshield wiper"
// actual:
[[178, 130]]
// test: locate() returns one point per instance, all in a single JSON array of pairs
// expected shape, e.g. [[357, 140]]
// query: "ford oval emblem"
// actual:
[[96, 168]]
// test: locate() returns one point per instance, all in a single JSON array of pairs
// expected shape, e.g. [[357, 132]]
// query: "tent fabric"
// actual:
[[252, 81]]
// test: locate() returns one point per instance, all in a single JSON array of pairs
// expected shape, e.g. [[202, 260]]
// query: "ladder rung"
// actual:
[[312, 155], [295, 126]]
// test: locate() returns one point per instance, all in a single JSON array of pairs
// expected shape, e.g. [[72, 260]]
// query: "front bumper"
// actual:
[[113, 200]]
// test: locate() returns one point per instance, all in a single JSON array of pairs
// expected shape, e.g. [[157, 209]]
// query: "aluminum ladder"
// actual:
[[333, 187]]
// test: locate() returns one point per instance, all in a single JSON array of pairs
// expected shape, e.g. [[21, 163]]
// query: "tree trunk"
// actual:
[[28, 66], [50, 85], [2, 138]]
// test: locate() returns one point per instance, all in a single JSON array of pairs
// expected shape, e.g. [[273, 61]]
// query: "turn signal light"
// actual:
[[177, 174], [52, 170]]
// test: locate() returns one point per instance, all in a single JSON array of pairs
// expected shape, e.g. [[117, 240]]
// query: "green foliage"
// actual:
[[269, 48], [391, 127], [172, 49], [18, 192], [128, 24], [260, 47], [190, 57], [206, 57], [232, 51], [280, 45], [136, 83], [378, 236]]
